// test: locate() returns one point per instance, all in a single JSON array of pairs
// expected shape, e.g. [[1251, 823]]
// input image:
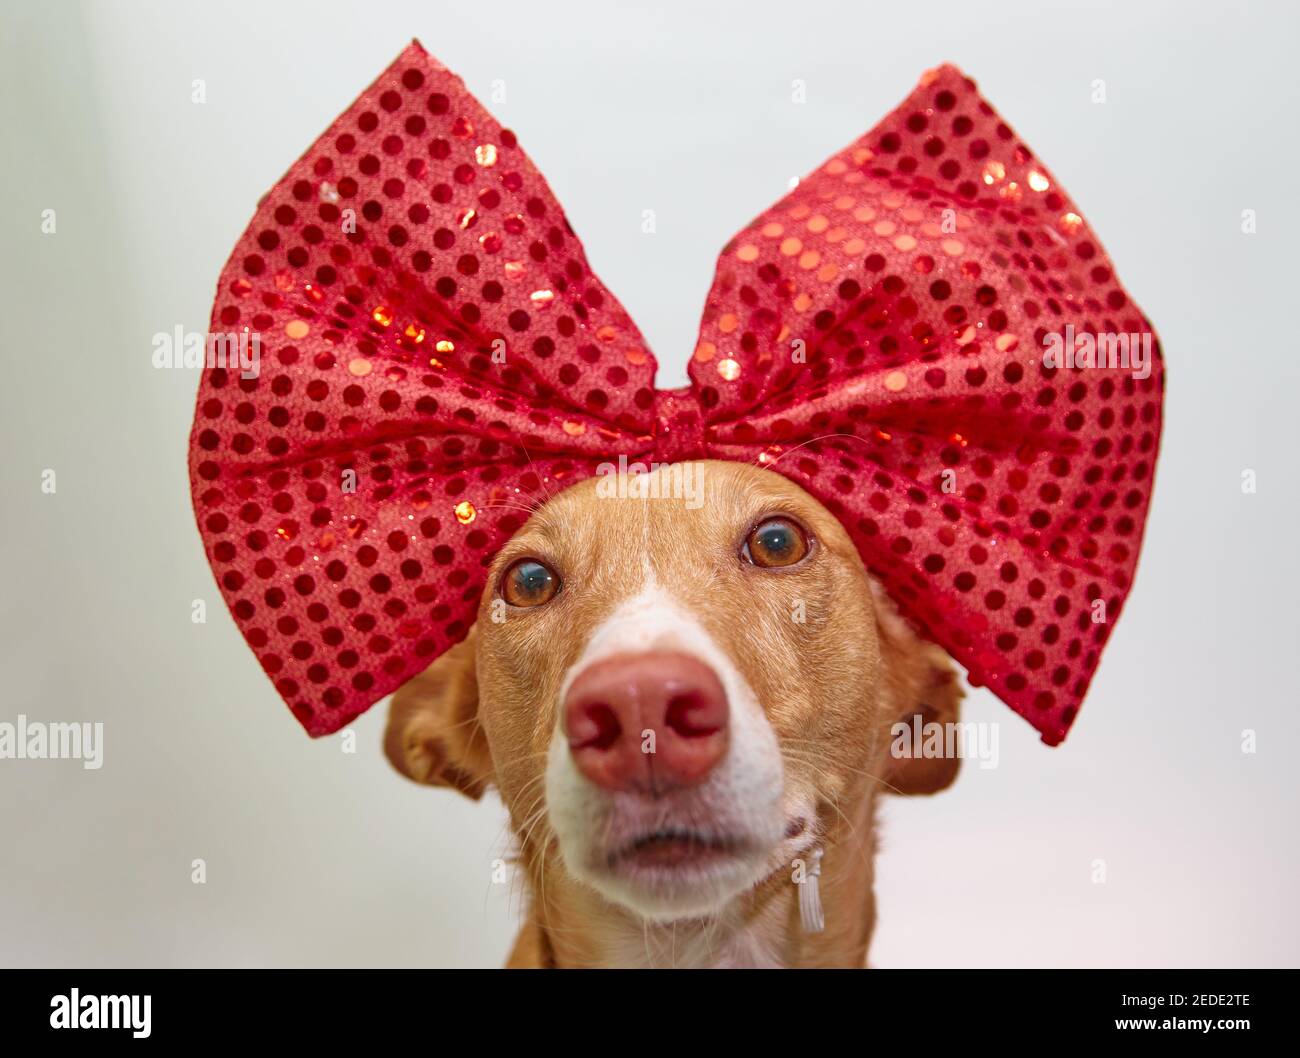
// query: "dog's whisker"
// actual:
[[827, 755], [530, 511], [506, 765], [541, 478], [758, 461], [534, 820], [824, 795]]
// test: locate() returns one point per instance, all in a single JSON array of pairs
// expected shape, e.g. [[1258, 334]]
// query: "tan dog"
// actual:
[[680, 703]]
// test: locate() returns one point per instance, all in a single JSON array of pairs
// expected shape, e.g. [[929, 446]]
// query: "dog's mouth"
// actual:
[[673, 850]]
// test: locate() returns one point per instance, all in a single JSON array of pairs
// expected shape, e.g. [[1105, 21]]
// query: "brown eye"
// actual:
[[529, 583], [776, 542]]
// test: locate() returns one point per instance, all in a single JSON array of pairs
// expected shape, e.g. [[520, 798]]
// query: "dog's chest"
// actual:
[[753, 945], [751, 948]]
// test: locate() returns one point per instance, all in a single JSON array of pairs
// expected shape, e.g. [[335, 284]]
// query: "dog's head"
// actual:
[[675, 681]]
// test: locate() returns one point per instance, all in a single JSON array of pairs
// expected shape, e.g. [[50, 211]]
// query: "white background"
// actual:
[[316, 857]]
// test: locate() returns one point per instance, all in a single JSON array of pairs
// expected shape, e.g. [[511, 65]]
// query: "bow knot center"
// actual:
[[679, 426]]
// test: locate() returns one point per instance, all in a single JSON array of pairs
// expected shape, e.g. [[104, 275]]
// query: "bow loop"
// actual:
[[436, 359], [882, 336]]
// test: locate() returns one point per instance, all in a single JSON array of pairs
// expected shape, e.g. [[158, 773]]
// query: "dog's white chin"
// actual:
[[670, 894], [740, 808]]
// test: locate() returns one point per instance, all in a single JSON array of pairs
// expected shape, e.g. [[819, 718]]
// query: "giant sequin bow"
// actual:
[[436, 356]]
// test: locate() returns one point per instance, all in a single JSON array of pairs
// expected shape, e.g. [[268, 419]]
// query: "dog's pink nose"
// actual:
[[646, 722]]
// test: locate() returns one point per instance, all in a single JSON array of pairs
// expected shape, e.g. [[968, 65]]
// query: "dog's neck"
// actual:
[[569, 925]]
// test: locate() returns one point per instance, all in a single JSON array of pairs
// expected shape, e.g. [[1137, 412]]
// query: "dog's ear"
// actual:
[[920, 680], [433, 733]]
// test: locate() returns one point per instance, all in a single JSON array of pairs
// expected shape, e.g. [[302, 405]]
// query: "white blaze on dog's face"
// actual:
[[674, 696], [666, 848]]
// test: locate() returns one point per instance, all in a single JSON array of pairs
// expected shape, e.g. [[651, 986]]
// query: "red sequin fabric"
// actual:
[[436, 358]]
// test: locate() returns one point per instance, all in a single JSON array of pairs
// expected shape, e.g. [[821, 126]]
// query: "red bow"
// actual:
[[436, 358]]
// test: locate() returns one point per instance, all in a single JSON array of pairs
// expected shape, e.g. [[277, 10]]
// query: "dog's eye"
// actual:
[[529, 583], [776, 542]]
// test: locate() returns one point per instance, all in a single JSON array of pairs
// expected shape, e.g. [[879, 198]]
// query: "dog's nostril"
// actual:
[[681, 716], [604, 727]]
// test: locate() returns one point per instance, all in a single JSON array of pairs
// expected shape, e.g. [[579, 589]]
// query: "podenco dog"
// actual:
[[686, 708]]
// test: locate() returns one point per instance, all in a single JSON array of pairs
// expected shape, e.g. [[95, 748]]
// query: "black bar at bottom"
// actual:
[[437, 1009]]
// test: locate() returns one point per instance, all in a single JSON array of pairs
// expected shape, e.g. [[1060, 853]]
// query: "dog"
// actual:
[[685, 706]]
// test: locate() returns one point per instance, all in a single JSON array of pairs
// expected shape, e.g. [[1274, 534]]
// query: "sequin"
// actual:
[[880, 326], [729, 369], [994, 171]]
